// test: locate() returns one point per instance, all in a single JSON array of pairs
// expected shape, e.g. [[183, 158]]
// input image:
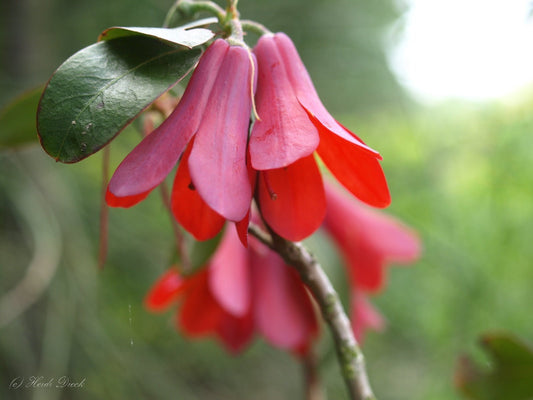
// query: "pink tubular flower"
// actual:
[[239, 292], [211, 121], [293, 125], [368, 240]]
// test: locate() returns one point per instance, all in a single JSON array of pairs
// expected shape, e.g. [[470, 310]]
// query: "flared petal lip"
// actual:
[[337, 129], [126, 201], [355, 169], [306, 93]]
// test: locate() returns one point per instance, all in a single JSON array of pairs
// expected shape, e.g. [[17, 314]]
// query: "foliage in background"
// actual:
[[459, 174], [17, 120], [340, 38], [509, 375]]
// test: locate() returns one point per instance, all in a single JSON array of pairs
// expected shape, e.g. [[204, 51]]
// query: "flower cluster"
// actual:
[[227, 158], [246, 290], [224, 163], [240, 291]]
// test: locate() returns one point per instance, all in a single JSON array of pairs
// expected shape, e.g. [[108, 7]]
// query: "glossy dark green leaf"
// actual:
[[189, 38], [102, 88], [17, 120], [509, 375]]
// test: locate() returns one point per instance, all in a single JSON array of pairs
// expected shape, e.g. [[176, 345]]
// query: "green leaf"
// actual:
[[17, 120], [189, 38], [102, 88], [509, 377]]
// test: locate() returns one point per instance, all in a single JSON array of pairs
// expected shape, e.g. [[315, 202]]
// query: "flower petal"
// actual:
[[164, 291], [394, 240], [365, 266], [154, 157], [200, 314], [218, 159], [292, 199], [307, 95], [188, 207], [368, 239], [284, 132], [358, 171], [229, 275], [242, 229], [236, 332], [127, 201], [242, 225], [283, 310]]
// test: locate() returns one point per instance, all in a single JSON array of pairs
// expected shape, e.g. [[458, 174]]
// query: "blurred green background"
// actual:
[[460, 173]]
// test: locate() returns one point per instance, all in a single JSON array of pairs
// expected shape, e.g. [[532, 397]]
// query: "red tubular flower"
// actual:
[[166, 290], [200, 312], [215, 110], [368, 240], [293, 124], [240, 291], [292, 199]]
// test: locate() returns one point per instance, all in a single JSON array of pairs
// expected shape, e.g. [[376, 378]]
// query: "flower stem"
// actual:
[[349, 353], [232, 5], [170, 14], [104, 210], [188, 8], [181, 245], [313, 389], [255, 27], [237, 36]]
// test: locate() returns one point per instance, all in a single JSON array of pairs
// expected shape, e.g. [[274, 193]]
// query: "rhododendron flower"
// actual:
[[293, 125], [239, 292], [368, 240], [211, 121]]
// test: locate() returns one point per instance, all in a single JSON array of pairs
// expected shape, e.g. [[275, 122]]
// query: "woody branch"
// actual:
[[348, 351]]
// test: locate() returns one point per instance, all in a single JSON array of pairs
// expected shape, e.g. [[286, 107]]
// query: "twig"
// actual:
[[350, 356], [181, 244], [313, 390], [104, 210]]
